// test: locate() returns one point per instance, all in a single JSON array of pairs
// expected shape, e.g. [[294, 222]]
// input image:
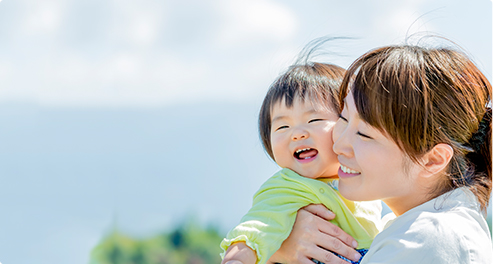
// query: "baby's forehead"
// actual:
[[315, 103]]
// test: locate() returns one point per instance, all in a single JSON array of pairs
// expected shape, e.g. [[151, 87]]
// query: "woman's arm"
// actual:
[[313, 236]]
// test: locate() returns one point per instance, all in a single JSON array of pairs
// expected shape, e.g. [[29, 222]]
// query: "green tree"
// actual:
[[186, 244]]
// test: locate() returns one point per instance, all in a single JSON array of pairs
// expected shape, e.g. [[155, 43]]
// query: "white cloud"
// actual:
[[144, 30], [401, 18], [43, 17], [138, 23], [247, 21], [125, 79], [128, 65]]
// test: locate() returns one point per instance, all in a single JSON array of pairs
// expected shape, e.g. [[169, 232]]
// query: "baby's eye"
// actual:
[[315, 120], [281, 127], [343, 118]]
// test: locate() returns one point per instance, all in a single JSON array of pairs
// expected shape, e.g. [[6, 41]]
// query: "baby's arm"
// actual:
[[239, 253]]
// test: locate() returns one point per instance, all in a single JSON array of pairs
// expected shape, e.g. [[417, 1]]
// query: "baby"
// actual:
[[295, 124]]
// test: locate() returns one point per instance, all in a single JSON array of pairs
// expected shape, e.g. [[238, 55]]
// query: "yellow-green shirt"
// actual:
[[275, 205]]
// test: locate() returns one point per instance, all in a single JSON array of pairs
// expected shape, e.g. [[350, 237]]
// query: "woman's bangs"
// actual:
[[371, 99], [388, 96]]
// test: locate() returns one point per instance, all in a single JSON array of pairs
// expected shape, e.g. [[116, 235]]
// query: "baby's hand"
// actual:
[[239, 253]]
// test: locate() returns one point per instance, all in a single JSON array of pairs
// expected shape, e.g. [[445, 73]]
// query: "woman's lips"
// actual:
[[345, 172]]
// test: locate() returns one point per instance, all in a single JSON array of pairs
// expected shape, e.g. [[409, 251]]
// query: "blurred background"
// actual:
[[130, 126]]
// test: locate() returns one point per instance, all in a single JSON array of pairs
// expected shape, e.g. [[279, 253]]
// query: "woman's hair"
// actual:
[[317, 82], [421, 97]]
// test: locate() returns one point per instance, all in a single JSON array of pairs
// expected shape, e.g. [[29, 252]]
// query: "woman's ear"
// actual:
[[438, 158]]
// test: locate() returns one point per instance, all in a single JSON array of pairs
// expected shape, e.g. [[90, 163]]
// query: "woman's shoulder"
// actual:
[[455, 224], [445, 233], [455, 214]]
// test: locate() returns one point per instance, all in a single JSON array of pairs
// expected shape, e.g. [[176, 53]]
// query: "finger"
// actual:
[[234, 262], [327, 257], [331, 237], [306, 261], [335, 245], [320, 210], [336, 232]]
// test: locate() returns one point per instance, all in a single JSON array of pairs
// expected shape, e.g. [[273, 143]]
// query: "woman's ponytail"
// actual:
[[480, 159], [480, 143]]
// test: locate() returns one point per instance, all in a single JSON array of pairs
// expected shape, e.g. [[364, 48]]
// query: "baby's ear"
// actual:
[[438, 158]]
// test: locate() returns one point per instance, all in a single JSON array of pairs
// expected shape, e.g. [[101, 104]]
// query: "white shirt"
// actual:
[[449, 229]]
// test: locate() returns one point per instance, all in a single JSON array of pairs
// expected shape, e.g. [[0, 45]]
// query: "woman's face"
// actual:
[[372, 165]]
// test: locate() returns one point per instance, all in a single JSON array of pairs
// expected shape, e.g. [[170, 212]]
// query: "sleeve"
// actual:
[[270, 220]]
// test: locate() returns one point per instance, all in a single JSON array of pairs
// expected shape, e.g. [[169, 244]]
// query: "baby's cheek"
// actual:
[[329, 126], [332, 163], [279, 150]]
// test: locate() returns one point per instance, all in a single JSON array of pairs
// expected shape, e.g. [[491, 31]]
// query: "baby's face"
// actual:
[[301, 139]]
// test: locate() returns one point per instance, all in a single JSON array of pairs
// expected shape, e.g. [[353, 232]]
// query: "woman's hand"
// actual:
[[313, 236]]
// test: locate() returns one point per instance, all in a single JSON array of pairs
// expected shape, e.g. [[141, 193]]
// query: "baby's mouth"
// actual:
[[305, 153]]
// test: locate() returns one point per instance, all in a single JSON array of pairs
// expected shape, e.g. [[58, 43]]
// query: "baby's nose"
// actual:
[[300, 134]]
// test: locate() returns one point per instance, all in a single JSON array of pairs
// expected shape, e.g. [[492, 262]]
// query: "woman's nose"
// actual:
[[340, 136]]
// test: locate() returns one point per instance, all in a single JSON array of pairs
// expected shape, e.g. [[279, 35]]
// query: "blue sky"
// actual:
[[142, 113], [154, 53]]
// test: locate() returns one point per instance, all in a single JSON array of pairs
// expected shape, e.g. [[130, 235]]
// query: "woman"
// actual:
[[415, 132]]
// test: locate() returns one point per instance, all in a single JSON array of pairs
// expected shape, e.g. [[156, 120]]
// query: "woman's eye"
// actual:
[[343, 118], [315, 120], [363, 135]]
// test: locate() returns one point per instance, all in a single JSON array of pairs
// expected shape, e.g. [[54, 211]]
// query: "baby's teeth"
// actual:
[[298, 151]]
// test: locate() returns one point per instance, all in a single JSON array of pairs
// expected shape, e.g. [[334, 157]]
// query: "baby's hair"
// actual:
[[421, 97], [316, 82]]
